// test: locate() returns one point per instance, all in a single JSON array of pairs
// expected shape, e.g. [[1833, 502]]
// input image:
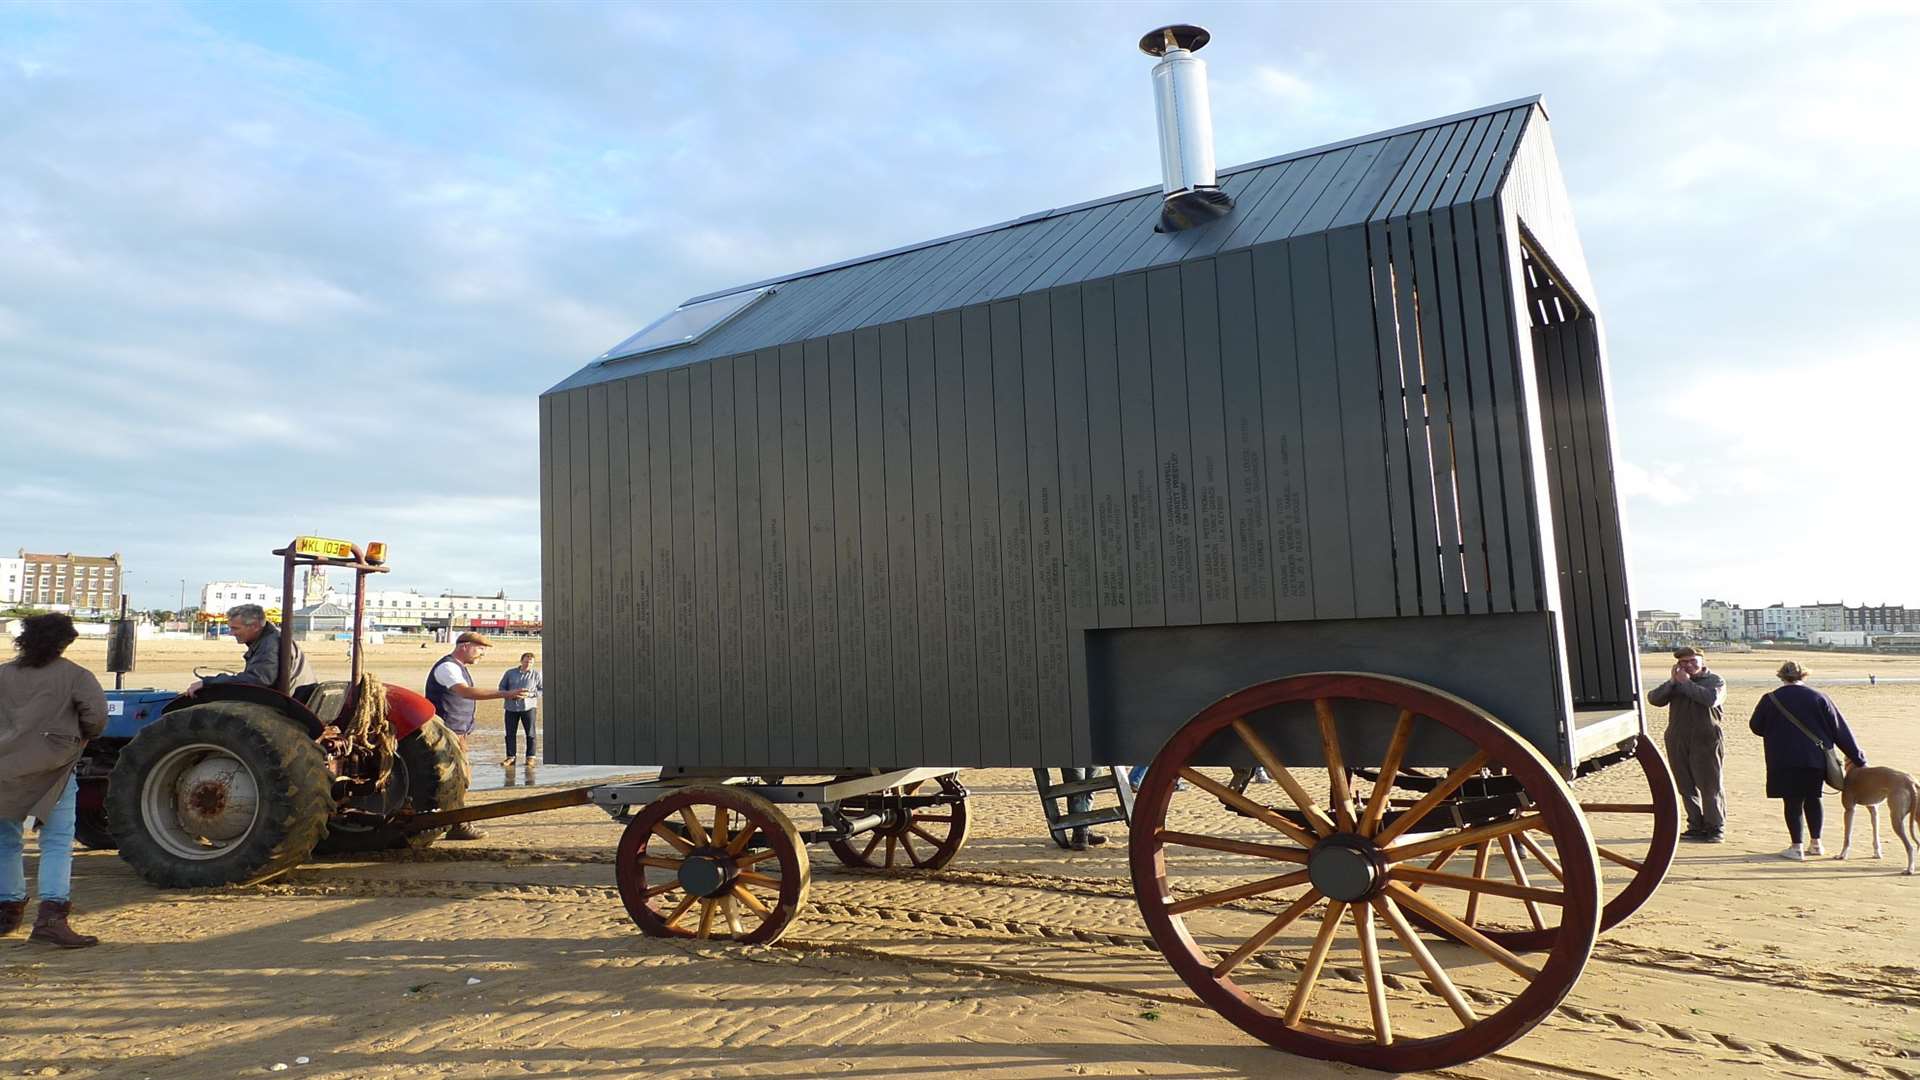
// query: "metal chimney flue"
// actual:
[[1192, 192]]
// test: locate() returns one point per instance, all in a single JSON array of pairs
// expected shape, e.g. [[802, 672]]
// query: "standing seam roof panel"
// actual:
[[1418, 167]]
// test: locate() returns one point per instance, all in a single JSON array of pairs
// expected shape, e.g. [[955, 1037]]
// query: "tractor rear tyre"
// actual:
[[224, 793], [430, 771]]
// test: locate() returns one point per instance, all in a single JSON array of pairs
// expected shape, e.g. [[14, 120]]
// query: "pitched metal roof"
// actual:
[[1389, 174]]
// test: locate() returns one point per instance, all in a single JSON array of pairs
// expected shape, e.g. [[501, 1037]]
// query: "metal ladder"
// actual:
[[1053, 796]]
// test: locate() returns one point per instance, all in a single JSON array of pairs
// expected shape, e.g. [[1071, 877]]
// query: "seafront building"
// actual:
[[1819, 623], [79, 584], [11, 573], [400, 610], [407, 610]]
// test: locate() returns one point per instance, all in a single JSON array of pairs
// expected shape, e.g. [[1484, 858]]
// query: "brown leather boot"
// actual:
[[11, 912], [50, 927]]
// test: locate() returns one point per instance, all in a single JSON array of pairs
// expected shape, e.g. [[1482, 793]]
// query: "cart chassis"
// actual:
[[618, 800]]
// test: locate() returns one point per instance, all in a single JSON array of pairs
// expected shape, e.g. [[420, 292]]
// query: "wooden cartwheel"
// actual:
[[712, 862], [1208, 889], [925, 827], [1635, 839]]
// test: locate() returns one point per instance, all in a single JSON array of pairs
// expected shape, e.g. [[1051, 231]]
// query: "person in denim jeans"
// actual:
[[1081, 838], [52, 707]]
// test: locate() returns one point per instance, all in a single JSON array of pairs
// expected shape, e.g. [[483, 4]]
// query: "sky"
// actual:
[[273, 269]]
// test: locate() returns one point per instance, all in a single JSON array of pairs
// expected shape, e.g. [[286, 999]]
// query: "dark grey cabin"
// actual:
[[1034, 494]]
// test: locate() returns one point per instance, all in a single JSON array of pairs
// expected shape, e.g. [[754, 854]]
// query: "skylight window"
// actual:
[[685, 324]]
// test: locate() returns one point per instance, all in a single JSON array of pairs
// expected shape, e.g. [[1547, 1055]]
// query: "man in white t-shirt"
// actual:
[[451, 689]]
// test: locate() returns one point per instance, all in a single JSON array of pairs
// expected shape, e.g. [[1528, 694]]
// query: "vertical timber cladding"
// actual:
[[883, 547]]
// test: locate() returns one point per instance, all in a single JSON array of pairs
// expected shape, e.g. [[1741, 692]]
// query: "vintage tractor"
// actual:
[[238, 782]]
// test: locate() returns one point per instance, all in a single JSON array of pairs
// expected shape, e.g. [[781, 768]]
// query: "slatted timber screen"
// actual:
[[1582, 499]]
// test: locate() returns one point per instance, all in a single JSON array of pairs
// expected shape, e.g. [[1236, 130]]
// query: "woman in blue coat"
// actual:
[[1796, 765]]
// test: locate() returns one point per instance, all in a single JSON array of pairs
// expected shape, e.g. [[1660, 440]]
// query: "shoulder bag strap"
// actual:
[[1804, 729]]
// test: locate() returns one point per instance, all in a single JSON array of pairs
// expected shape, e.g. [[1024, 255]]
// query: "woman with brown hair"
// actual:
[[49, 708], [1798, 724]]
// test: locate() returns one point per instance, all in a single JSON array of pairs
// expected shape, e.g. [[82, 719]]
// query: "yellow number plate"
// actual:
[[323, 547]]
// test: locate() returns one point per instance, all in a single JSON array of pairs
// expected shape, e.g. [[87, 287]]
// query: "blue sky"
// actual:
[[273, 269]]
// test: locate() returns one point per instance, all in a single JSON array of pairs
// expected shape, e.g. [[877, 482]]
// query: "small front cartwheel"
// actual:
[[712, 862]]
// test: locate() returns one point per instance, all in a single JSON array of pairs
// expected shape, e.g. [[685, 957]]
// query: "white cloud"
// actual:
[[268, 257], [1663, 488], [1284, 86]]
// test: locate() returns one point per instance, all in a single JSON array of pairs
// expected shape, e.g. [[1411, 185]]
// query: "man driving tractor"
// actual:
[[262, 639]]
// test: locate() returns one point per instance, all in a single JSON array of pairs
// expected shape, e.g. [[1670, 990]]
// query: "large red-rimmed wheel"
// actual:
[[925, 826], [1633, 812], [713, 863], [1274, 914]]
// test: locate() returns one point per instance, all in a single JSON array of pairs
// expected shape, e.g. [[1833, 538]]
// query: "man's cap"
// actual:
[[1680, 653], [471, 638]]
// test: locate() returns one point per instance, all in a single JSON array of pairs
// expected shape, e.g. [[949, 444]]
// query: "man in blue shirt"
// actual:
[[522, 711]]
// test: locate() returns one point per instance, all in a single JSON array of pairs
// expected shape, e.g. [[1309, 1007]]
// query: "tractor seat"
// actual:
[[326, 700]]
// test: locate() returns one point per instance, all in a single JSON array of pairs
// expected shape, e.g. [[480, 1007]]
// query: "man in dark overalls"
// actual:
[[1696, 746], [451, 689]]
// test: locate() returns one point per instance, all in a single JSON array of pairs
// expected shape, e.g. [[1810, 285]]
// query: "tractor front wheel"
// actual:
[[90, 824], [224, 793], [429, 773]]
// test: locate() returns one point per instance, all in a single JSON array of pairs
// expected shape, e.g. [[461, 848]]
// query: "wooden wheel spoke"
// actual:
[[1338, 790], [753, 902], [659, 863], [1436, 975], [761, 880], [1316, 959], [732, 914], [706, 918], [1271, 762], [1414, 901], [718, 833], [1433, 798], [1475, 835], [1481, 853], [695, 830], [873, 841], [679, 842], [1512, 851], [754, 859], [1267, 933], [1415, 876], [890, 846], [740, 840], [1253, 809], [1370, 963], [1389, 768], [1238, 892], [1441, 860], [933, 817], [1237, 847], [1546, 860], [662, 890], [1615, 857], [927, 836], [906, 843], [680, 909]]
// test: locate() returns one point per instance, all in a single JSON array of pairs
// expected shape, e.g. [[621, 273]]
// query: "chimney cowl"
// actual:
[[1191, 189]]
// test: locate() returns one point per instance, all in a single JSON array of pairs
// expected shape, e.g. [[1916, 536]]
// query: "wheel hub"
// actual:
[[707, 872], [216, 798], [1346, 867]]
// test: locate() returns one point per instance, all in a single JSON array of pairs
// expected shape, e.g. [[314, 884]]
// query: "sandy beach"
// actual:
[[512, 956]]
